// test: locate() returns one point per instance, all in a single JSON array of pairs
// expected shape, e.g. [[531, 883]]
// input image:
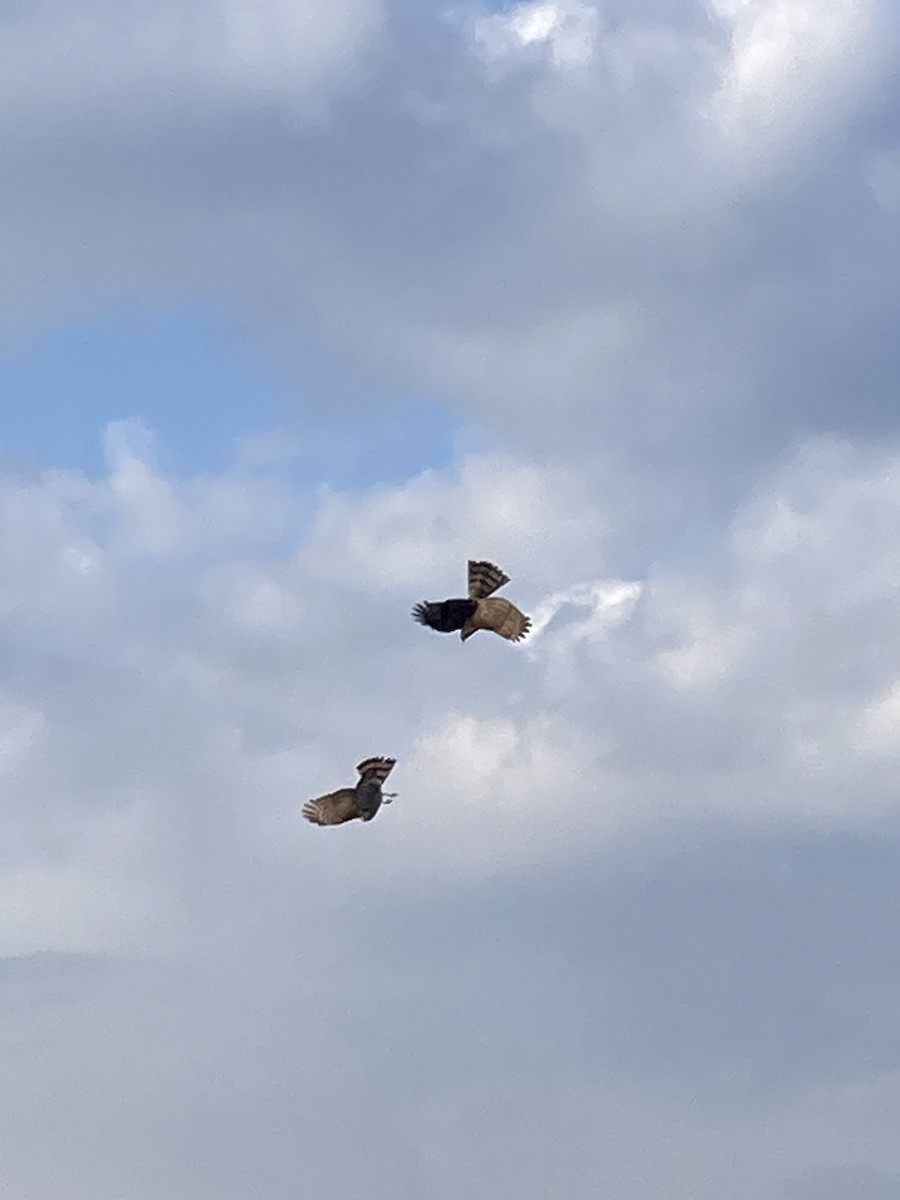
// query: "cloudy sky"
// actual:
[[306, 302]]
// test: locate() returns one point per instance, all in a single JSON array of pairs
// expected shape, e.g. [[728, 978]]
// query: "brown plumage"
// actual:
[[362, 801], [482, 610]]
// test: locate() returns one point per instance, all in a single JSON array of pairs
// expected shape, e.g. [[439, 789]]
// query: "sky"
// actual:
[[306, 304]]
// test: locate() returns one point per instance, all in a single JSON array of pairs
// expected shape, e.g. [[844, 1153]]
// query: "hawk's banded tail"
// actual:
[[484, 579], [377, 768]]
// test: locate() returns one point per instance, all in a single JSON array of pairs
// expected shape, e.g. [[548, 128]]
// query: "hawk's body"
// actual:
[[362, 801], [482, 610]]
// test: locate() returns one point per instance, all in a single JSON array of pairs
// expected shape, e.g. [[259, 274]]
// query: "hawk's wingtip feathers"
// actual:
[[312, 811], [420, 613]]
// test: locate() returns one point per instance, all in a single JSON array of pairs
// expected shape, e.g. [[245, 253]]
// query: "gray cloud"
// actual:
[[591, 939], [843, 1183], [629, 926], [681, 253]]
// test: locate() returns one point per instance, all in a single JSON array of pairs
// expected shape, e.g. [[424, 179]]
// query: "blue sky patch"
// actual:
[[193, 379]]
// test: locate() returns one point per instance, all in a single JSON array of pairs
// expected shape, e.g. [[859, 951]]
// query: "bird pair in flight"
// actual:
[[480, 610]]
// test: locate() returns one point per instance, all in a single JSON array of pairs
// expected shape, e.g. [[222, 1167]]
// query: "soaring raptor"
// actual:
[[348, 803], [482, 610]]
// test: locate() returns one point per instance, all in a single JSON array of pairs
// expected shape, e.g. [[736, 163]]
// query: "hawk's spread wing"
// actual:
[[334, 808], [484, 578], [500, 616], [446, 616]]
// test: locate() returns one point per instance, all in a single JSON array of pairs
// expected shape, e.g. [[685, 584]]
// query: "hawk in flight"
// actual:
[[362, 801], [482, 610]]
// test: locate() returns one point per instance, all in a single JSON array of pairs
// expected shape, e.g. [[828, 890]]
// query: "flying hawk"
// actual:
[[478, 612], [362, 801]]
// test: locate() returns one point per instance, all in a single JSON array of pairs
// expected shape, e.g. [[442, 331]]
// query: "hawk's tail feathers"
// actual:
[[377, 766], [484, 579]]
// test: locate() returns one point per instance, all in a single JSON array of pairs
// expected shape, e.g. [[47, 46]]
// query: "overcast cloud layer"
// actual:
[[630, 929]]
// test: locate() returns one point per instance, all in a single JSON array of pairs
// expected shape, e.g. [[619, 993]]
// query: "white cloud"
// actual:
[[191, 661], [879, 724], [568, 28], [652, 258], [790, 61], [493, 796], [169, 707], [607, 604]]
